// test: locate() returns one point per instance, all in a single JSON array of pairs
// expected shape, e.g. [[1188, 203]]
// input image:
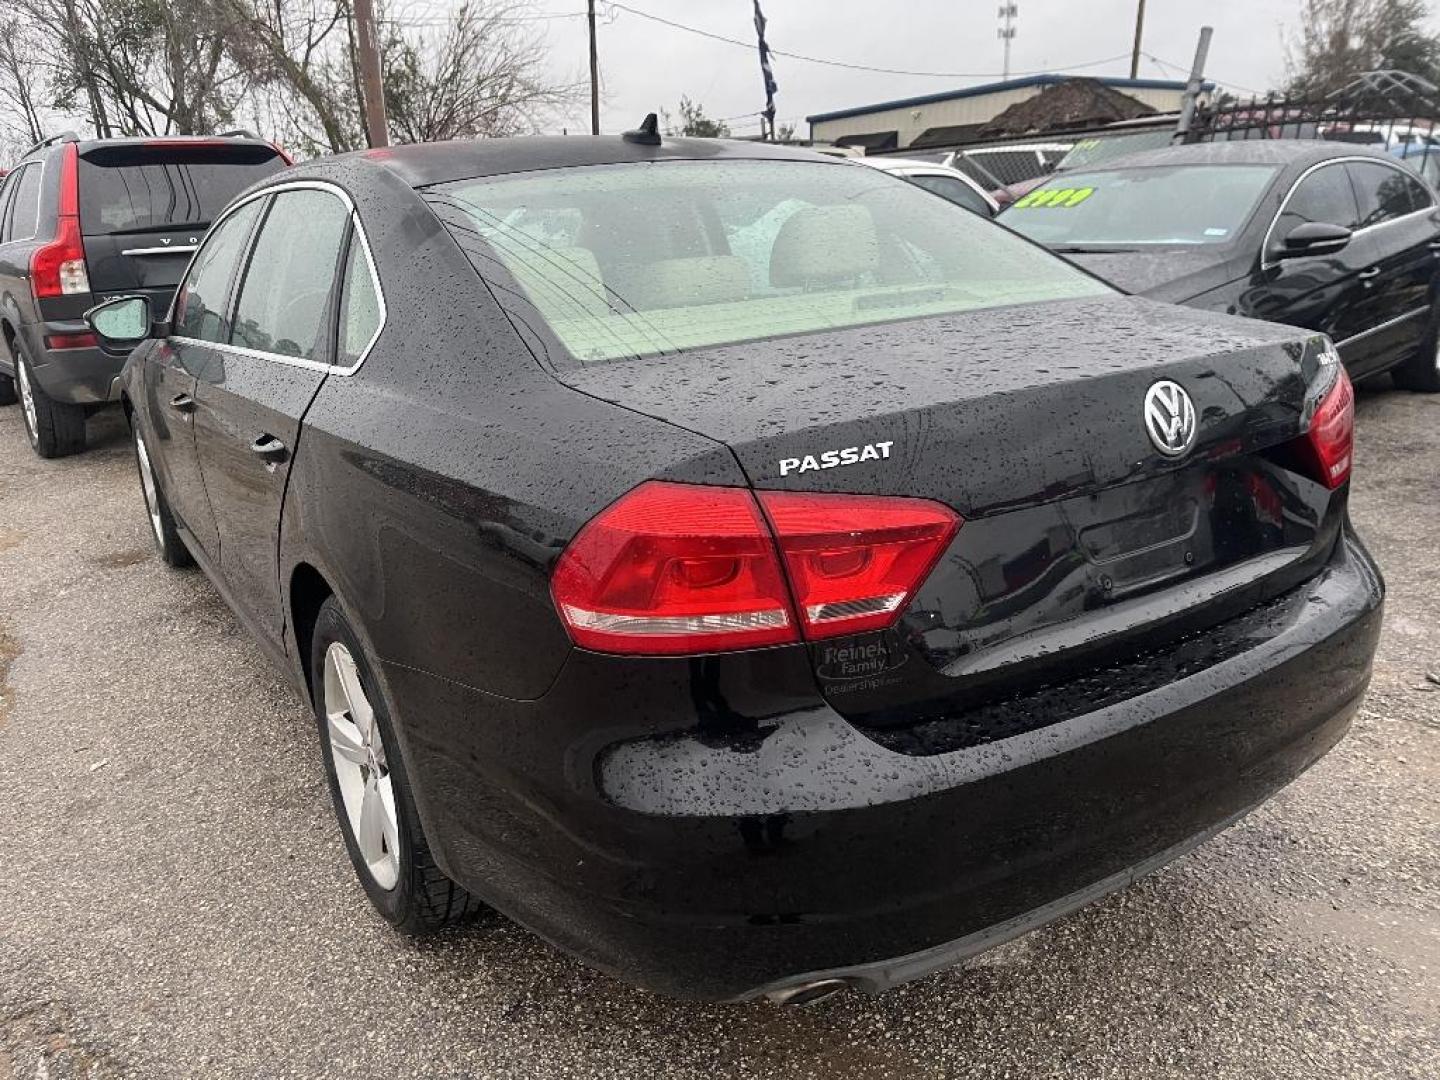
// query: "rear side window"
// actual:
[[286, 295], [1386, 192], [127, 189], [360, 314], [200, 300], [957, 191], [23, 217], [1324, 196]]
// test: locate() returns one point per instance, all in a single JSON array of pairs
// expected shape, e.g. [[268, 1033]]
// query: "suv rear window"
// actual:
[[633, 260], [137, 188]]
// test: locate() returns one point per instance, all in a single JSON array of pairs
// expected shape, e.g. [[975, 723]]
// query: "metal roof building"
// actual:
[[893, 125]]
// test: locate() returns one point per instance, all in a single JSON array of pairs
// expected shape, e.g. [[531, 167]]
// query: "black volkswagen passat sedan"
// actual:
[[1323, 235], [746, 570]]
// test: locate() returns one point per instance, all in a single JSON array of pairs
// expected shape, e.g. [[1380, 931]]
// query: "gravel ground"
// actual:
[[175, 900]]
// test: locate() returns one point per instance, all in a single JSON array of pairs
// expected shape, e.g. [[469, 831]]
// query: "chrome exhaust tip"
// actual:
[[811, 993]]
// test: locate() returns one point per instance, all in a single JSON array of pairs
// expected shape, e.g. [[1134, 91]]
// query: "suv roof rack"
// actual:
[[64, 136]]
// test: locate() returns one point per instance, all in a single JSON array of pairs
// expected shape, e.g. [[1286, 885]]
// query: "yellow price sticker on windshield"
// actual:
[[1055, 197]]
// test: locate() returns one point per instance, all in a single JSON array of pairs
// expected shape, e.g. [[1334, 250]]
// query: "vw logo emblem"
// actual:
[[1170, 418]]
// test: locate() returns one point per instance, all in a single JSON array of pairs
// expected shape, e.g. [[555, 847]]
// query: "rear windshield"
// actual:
[[1179, 205], [139, 188], [635, 260]]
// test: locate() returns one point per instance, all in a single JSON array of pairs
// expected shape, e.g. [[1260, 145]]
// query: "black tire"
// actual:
[[168, 545], [57, 428], [1422, 371], [423, 899], [7, 390]]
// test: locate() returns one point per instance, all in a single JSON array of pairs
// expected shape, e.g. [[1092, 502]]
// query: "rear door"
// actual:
[[15, 247], [145, 206], [1402, 227], [200, 324], [251, 399]]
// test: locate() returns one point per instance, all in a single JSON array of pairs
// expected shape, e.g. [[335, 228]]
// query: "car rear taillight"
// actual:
[[674, 568], [854, 561], [58, 267], [681, 568], [1326, 450]]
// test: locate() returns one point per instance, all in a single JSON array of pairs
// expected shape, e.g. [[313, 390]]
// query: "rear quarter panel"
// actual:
[[435, 488]]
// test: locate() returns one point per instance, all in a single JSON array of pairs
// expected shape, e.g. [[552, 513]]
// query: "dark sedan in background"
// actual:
[[748, 571], [1321, 235]]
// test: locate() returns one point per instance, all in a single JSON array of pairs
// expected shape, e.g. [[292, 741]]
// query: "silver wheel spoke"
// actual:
[[345, 739], [148, 488], [358, 754]]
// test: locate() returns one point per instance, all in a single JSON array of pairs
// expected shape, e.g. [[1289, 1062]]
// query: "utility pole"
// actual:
[[1193, 87], [594, 75], [1139, 31], [1008, 13], [375, 125]]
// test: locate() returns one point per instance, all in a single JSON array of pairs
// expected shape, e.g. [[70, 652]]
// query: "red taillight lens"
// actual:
[[58, 268], [855, 561], [680, 568], [674, 568], [1328, 447]]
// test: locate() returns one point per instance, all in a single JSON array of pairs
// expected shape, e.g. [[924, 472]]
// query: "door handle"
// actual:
[[1369, 275], [270, 449], [183, 403]]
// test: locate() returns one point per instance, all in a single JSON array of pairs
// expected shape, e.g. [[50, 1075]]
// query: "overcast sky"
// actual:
[[646, 66]]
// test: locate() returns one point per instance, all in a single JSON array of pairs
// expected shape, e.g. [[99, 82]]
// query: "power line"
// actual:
[[1166, 64], [748, 45]]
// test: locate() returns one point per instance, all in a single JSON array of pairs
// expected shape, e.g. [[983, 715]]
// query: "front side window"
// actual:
[[200, 300], [286, 295], [1180, 205], [1386, 192], [634, 260], [1325, 196]]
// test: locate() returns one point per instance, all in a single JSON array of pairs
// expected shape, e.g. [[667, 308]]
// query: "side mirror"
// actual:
[[121, 324], [1313, 238]]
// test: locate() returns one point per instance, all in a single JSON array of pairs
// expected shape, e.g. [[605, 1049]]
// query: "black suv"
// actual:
[[82, 221]]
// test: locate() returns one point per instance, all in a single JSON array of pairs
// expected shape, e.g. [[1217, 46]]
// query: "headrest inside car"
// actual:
[[823, 245]]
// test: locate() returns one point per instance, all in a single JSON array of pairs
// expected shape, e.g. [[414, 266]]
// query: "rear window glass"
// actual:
[[1181, 205], [139, 189], [635, 260]]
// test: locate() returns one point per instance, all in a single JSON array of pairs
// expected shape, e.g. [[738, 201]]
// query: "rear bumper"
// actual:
[[722, 836], [78, 376]]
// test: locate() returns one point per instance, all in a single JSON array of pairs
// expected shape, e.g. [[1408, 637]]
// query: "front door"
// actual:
[[171, 367], [1404, 240], [1317, 292], [251, 399]]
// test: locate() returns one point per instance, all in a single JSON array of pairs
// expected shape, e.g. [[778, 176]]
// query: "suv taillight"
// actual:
[[681, 568], [58, 267], [1327, 448]]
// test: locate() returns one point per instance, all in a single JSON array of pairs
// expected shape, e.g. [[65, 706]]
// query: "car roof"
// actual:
[[1241, 152], [890, 163], [423, 164]]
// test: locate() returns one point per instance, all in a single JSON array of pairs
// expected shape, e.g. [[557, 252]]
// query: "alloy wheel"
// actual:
[[27, 399], [147, 485], [358, 752]]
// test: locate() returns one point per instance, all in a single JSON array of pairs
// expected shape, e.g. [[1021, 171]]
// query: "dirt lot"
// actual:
[[175, 900]]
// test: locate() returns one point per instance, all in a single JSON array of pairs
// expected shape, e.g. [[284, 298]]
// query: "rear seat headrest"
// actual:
[[823, 244]]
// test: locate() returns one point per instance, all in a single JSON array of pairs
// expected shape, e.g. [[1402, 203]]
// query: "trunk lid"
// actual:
[[1083, 545], [145, 207]]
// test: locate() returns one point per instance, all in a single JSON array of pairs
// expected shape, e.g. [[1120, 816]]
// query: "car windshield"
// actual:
[[638, 259], [1178, 205]]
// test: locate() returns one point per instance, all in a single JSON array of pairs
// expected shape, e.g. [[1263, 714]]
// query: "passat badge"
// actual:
[[1170, 418]]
